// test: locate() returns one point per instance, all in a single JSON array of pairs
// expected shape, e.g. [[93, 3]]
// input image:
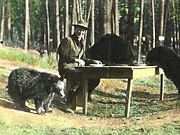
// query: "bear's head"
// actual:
[[53, 84]]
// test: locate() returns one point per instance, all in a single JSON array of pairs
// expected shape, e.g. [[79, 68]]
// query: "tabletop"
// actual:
[[121, 72]]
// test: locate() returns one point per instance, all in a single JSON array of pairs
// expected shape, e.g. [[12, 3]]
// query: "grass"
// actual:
[[30, 58], [168, 129], [4, 72], [22, 130], [142, 104], [152, 82], [31, 130], [107, 103]]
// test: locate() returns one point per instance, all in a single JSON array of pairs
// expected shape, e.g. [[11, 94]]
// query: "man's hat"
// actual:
[[82, 23]]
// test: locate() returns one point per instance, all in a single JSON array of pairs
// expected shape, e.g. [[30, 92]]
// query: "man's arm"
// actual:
[[63, 52]]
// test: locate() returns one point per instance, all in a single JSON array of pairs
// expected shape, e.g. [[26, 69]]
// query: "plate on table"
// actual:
[[96, 65]]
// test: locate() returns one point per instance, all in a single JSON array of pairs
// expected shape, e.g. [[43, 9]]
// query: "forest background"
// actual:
[[42, 24]]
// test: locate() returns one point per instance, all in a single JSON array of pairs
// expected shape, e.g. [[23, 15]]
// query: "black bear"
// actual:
[[111, 50], [168, 60], [25, 83]]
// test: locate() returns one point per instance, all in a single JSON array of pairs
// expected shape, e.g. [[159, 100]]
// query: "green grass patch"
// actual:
[[153, 81], [171, 128], [111, 104], [30, 58], [107, 104], [6, 129], [4, 95], [4, 72], [153, 107], [20, 130], [3, 78], [137, 109]]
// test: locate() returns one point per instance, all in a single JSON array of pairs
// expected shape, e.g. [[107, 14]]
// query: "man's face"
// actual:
[[80, 32]]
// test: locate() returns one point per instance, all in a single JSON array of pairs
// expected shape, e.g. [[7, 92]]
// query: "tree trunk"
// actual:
[[26, 40], [8, 32], [105, 16], [66, 24], [92, 30], [166, 13], [74, 15], [2, 22], [116, 17], [90, 20], [140, 31], [176, 30], [178, 23], [130, 20], [78, 9], [30, 35], [57, 22], [161, 34], [47, 27], [153, 25]]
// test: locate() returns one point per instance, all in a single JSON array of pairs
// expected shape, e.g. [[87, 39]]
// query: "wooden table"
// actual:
[[119, 72]]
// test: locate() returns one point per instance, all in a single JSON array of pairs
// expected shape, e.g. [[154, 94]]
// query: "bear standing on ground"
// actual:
[[24, 84], [168, 60]]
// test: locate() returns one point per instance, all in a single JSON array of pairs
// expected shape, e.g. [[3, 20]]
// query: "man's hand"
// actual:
[[97, 62], [80, 62]]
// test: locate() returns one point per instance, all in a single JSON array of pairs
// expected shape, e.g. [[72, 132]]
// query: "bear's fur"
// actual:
[[168, 60], [111, 50], [25, 83]]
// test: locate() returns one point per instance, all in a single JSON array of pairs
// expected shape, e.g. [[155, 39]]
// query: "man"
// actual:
[[71, 53]]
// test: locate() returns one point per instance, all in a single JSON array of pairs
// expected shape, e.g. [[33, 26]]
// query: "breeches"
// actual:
[[75, 80]]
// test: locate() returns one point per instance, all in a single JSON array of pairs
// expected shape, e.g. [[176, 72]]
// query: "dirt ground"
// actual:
[[61, 119]]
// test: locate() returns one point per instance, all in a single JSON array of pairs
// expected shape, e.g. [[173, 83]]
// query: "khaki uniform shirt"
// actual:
[[69, 50]]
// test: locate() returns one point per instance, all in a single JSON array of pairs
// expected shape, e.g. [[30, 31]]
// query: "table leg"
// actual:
[[85, 95], [161, 87], [128, 97]]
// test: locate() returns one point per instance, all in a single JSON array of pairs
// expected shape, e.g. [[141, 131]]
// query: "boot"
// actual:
[[71, 102]]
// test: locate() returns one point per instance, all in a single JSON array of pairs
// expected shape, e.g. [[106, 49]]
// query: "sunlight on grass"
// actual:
[[109, 98], [153, 81], [4, 72], [31, 58], [168, 129], [3, 80]]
